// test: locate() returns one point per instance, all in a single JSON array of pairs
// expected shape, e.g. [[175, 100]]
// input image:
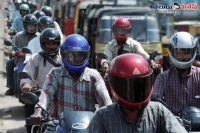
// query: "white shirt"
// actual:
[[34, 46]]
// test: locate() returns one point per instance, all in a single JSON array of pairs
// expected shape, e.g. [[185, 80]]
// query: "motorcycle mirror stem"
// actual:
[[24, 75]]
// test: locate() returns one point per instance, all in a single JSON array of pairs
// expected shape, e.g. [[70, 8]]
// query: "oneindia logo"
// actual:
[[176, 8], [162, 8]]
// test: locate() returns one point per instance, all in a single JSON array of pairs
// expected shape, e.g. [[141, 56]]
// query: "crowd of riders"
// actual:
[[60, 67]]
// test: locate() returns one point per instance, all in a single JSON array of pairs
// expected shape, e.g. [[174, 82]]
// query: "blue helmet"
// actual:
[[75, 52]]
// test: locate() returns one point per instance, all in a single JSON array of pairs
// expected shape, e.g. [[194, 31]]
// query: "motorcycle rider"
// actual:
[[48, 12], [33, 6], [17, 24], [20, 40], [133, 112], [38, 67], [14, 10], [73, 86], [121, 30], [43, 23], [122, 44], [179, 85], [38, 14]]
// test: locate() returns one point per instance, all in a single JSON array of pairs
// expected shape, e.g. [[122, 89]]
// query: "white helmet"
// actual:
[[182, 50]]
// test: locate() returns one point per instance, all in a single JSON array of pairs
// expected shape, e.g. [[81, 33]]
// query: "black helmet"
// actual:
[[45, 22], [33, 4], [30, 23], [38, 14], [47, 10], [191, 114], [50, 35]]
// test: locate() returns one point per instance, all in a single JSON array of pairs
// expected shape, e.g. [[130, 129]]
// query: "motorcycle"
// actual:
[[188, 117], [69, 121], [20, 55]]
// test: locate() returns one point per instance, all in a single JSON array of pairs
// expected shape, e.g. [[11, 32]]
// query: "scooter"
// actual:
[[20, 55], [188, 117], [69, 121]]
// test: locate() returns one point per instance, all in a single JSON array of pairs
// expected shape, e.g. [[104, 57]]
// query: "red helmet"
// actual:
[[121, 29], [130, 80]]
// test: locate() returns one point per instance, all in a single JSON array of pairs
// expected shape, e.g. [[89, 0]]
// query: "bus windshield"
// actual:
[[144, 29]]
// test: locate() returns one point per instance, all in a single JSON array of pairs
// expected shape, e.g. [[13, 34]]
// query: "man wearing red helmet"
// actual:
[[121, 30], [131, 86]]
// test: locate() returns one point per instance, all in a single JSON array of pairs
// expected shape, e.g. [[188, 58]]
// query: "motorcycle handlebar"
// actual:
[[49, 122]]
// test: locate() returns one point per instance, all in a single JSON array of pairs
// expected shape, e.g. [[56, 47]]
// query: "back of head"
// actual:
[[75, 52], [130, 81], [182, 50], [30, 23], [38, 14], [47, 10], [121, 29], [50, 35], [45, 22]]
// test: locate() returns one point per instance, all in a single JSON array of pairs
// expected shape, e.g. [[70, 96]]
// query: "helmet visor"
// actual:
[[31, 28], [121, 31], [75, 57], [183, 54], [44, 26], [133, 90]]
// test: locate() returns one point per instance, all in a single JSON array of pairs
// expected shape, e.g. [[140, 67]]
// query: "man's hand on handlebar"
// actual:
[[12, 53], [105, 66], [26, 87], [37, 116], [154, 65]]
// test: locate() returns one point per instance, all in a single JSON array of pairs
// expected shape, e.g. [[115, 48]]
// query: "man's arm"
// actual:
[[49, 88], [14, 25], [101, 92], [95, 125], [108, 53], [139, 50], [159, 86], [30, 68], [172, 125]]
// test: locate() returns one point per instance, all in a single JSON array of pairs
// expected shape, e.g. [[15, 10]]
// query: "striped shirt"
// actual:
[[178, 92], [81, 95], [155, 118]]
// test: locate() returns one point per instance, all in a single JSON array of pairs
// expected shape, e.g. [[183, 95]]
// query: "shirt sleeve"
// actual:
[[30, 68], [172, 125], [139, 50], [159, 86], [14, 25], [101, 92], [108, 52], [49, 89], [95, 125]]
